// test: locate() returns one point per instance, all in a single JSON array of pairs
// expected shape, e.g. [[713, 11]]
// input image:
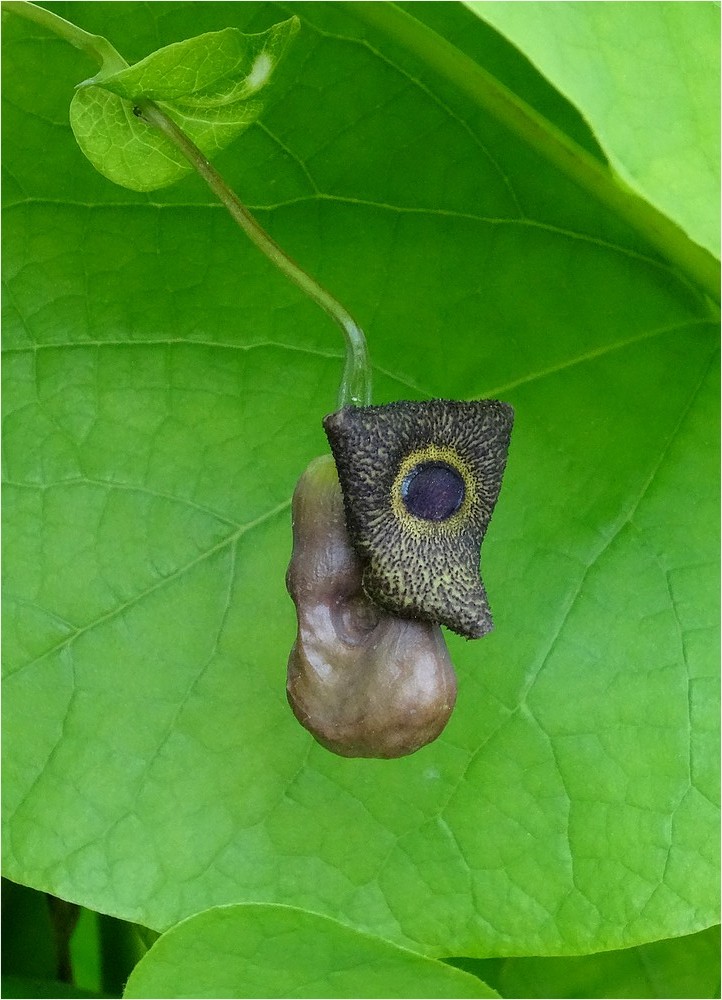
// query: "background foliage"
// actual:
[[164, 391]]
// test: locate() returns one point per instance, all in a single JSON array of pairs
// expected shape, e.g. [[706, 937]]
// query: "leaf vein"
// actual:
[[230, 539]]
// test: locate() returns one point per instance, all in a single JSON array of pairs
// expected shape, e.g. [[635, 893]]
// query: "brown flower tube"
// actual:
[[364, 682]]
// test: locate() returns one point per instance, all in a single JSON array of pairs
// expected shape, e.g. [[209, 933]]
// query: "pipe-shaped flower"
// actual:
[[420, 482], [365, 683]]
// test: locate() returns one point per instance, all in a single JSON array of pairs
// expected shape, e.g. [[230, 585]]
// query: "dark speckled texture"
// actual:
[[414, 567]]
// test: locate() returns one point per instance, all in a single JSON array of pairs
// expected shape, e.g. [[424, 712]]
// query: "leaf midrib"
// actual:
[[349, 200]]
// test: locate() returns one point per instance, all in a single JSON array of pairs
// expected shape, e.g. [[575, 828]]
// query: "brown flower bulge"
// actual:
[[364, 682]]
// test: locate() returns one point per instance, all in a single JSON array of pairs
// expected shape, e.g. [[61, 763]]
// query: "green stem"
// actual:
[[97, 47], [120, 951], [539, 133], [355, 388]]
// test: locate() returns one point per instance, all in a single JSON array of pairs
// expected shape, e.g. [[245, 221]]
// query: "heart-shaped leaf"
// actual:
[[204, 83], [164, 391], [278, 951]]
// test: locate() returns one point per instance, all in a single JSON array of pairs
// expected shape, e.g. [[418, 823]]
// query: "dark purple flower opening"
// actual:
[[433, 491]]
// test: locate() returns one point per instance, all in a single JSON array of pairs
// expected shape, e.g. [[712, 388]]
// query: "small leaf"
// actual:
[[132, 153], [205, 66], [205, 83], [279, 951]]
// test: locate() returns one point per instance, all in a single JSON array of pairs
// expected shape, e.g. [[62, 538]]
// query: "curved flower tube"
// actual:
[[364, 682]]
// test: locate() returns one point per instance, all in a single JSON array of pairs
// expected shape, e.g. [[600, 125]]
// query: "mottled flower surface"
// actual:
[[420, 482]]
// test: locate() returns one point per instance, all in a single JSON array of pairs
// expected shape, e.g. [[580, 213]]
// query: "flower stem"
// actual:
[[355, 388]]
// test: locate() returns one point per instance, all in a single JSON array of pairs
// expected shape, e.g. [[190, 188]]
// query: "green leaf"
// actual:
[[164, 390], [647, 79], [204, 83], [680, 967], [219, 67], [277, 951], [133, 153]]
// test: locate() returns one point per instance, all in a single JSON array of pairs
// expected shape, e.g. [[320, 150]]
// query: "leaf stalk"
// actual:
[[355, 389]]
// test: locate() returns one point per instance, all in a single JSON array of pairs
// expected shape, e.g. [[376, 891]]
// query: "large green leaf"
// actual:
[[278, 951], [164, 390], [646, 77]]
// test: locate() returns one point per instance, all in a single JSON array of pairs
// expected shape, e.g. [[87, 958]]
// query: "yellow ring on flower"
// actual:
[[420, 526]]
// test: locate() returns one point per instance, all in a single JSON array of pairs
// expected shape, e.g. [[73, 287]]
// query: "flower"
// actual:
[[420, 482]]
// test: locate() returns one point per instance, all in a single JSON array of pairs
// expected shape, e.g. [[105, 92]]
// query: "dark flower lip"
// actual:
[[421, 556]]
